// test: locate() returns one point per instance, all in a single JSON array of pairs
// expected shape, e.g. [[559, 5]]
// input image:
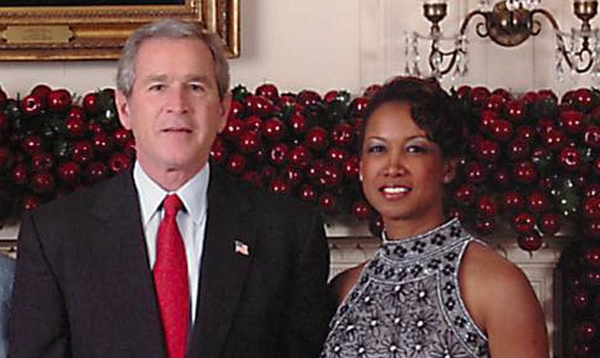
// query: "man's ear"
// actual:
[[225, 107], [123, 109]]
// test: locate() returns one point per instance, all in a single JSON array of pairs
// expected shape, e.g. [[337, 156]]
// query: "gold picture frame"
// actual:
[[85, 32]]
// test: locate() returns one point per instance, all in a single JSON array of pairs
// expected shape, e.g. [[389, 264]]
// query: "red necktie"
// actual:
[[171, 280]]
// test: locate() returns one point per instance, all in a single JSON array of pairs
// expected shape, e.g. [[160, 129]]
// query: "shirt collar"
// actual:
[[193, 193]]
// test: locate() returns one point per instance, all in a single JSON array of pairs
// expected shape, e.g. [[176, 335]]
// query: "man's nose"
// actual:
[[178, 100]]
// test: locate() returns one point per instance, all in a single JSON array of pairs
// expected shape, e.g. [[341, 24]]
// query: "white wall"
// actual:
[[344, 44], [527, 66]]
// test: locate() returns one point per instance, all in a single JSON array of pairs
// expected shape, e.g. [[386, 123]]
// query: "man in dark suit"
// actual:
[[173, 258]]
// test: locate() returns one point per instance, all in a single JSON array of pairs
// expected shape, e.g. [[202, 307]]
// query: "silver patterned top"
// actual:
[[407, 303]]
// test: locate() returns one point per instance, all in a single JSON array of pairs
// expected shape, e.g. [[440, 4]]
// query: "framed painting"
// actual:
[[53, 30]]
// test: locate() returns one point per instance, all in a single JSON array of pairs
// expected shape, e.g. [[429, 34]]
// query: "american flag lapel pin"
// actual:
[[240, 248]]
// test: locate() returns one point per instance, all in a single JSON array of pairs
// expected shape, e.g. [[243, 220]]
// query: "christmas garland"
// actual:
[[532, 161]]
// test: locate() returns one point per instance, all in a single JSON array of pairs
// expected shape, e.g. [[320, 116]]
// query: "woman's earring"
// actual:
[[447, 179], [360, 177]]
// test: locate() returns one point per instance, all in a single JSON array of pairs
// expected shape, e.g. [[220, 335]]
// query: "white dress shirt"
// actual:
[[191, 220]]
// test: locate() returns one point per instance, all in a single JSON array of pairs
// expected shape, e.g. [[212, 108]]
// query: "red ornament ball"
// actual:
[[249, 142], [218, 151], [465, 194], [42, 182], [233, 129], [59, 100], [273, 129], [82, 152], [42, 162], [524, 172], [572, 122], [530, 241], [592, 229], [331, 176], [317, 138], [252, 123], [102, 143], [591, 257], [327, 202], [515, 110], [501, 130], [360, 210], [570, 159], [518, 149], [236, 110], [342, 135], [30, 202], [351, 167], [489, 151], [90, 104], [299, 157], [592, 278], [32, 144], [487, 206], [292, 176], [69, 172], [523, 223], [538, 202], [591, 136], [308, 193], [512, 201], [118, 162], [580, 300], [485, 225], [591, 208], [95, 171], [259, 106], [278, 154], [19, 174], [32, 105], [236, 163], [549, 223], [476, 173], [268, 90], [358, 106], [121, 136], [298, 124]]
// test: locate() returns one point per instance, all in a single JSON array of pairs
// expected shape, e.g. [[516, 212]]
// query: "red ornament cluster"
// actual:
[[297, 144], [532, 161], [52, 143], [580, 266]]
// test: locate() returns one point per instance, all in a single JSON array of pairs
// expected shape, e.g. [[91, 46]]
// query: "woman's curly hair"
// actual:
[[432, 109]]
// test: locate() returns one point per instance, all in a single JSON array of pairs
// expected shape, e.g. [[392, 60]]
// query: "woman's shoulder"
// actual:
[[342, 283], [481, 263], [489, 285]]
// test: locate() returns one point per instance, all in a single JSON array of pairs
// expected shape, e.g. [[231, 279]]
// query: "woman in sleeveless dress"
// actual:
[[432, 290]]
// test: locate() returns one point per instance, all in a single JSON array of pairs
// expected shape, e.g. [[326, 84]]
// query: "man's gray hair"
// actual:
[[170, 28]]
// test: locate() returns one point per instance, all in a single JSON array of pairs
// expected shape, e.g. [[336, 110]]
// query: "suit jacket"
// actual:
[[7, 269], [84, 287]]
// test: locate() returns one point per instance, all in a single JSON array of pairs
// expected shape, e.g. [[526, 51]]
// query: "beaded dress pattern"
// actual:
[[407, 303]]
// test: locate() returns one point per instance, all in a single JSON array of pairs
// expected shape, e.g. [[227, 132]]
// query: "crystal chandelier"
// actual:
[[507, 23]]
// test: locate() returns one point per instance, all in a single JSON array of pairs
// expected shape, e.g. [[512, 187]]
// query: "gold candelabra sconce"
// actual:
[[508, 23]]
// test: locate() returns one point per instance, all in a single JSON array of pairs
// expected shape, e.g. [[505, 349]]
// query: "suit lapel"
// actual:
[[223, 270], [119, 250]]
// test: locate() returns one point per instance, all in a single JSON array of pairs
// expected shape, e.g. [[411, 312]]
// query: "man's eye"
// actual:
[[197, 87], [157, 87]]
